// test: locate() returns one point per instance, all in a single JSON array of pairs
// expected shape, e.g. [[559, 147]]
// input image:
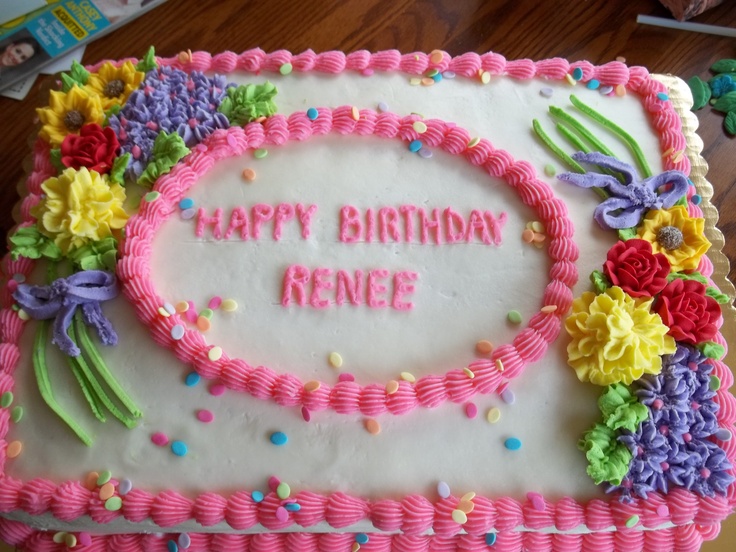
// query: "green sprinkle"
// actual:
[[549, 170], [633, 521], [260, 153], [7, 399], [113, 504], [104, 477], [207, 313], [151, 196], [283, 491], [432, 72], [514, 317], [286, 68], [715, 383], [17, 414]]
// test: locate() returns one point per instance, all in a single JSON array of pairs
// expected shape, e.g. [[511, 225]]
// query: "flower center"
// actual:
[[114, 88], [73, 120], [670, 237]]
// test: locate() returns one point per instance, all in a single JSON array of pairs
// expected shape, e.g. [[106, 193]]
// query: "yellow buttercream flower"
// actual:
[[80, 207], [114, 84], [67, 113], [676, 235], [615, 338]]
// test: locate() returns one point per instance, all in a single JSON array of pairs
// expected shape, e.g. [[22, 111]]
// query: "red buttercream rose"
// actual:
[[690, 314], [632, 266], [95, 148]]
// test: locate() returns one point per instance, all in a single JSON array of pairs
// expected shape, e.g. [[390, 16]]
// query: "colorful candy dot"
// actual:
[[427, 81], [260, 153], [471, 410], [499, 365], [490, 539], [292, 506], [283, 490], [443, 489], [113, 504], [203, 323], [163, 312], [335, 360], [17, 414], [468, 372], [215, 353], [494, 415], [537, 501], [192, 379], [466, 506], [151, 196], [458, 516], [382, 107], [306, 414], [214, 303], [286, 68], [179, 448], [355, 547], [14, 449], [571, 81], [548, 309], [550, 170], [425, 153], [512, 443], [715, 383], [662, 96], [59, 537], [249, 175], [593, 84], [186, 203], [70, 540], [125, 486], [415, 81], [107, 491], [282, 514], [484, 347], [229, 305], [546, 92], [90, 481], [633, 521], [177, 332], [605, 90], [205, 416], [372, 426], [485, 77], [171, 546], [217, 389], [273, 483], [415, 146], [435, 57], [23, 315], [257, 496], [312, 114], [696, 199], [723, 434], [392, 387], [420, 127], [663, 510], [85, 539], [527, 235], [355, 113], [184, 541], [279, 438], [437, 77], [361, 538], [467, 497], [514, 317], [507, 396], [312, 386], [448, 74], [104, 477], [6, 399], [577, 73]]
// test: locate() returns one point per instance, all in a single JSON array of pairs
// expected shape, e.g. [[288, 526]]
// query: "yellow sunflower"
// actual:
[[673, 233], [114, 84], [67, 113]]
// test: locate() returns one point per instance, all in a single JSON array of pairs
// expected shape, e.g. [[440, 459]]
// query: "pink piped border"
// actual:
[[696, 519]]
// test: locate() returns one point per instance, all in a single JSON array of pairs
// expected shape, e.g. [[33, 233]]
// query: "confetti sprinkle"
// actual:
[[537, 501], [420, 127], [335, 360], [392, 387], [312, 114], [257, 496], [184, 541], [6, 399], [507, 396], [286, 68], [722, 434], [715, 383], [58, 538], [279, 438], [408, 376], [188, 214], [292, 506], [182, 306], [527, 235], [312, 386], [512, 443], [163, 312], [104, 477], [217, 389], [126, 485], [494, 415], [151, 196], [85, 539], [605, 90], [443, 489], [425, 153], [177, 332], [468, 372], [14, 449], [23, 315], [484, 347], [467, 496], [437, 77], [570, 80], [282, 514], [260, 153], [620, 90], [70, 540], [490, 539], [113, 504], [485, 77], [547, 309], [546, 92], [273, 483], [577, 73], [465, 506], [427, 81], [471, 410], [355, 547], [663, 510], [633, 521], [696, 199], [514, 317], [17, 414], [186, 203], [179, 448], [229, 305], [662, 96], [382, 107], [203, 323], [372, 426], [107, 491], [593, 84], [436, 57], [215, 353], [473, 142], [192, 379], [90, 481], [205, 416], [414, 81], [283, 491], [171, 546], [549, 170], [306, 415], [458, 516], [499, 365], [249, 175], [415, 146]]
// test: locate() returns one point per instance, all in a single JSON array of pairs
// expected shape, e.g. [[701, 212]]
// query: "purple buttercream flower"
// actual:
[[630, 201], [173, 101]]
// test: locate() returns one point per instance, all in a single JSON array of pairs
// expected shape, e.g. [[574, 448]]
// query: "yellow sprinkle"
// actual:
[[215, 353], [484, 347], [494, 414], [408, 376], [249, 174], [355, 547], [622, 59], [436, 57], [528, 235], [473, 142], [537, 226], [70, 540], [14, 449], [106, 491], [312, 386], [23, 315], [678, 157], [392, 387], [469, 372], [668, 153], [546, 309], [427, 81], [570, 80], [229, 305], [485, 77], [416, 57], [419, 127], [182, 306], [467, 497], [335, 360], [620, 90], [372, 426], [499, 365], [355, 112], [465, 506], [458, 516], [203, 323], [185, 56], [530, 226], [539, 238], [415, 81], [90, 482], [59, 537], [162, 311]]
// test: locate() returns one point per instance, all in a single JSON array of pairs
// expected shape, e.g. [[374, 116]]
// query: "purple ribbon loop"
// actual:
[[61, 299]]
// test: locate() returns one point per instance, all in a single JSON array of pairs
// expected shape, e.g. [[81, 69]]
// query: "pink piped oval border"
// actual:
[[507, 361]]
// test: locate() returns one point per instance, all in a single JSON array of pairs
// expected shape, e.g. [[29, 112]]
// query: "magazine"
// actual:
[[35, 40]]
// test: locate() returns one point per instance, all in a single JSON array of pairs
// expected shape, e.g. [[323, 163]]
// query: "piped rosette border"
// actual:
[[507, 361]]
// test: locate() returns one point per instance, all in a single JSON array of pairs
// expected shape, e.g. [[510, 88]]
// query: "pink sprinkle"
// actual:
[[136, 151], [537, 501], [695, 405], [152, 125], [705, 473], [346, 376], [657, 404], [693, 366], [665, 466], [148, 89], [687, 437], [306, 414], [282, 514], [12, 285], [663, 510], [471, 411], [192, 122], [216, 301], [217, 389], [84, 538], [205, 416], [191, 314], [664, 430], [273, 483], [367, 72], [160, 439], [123, 134], [190, 85]]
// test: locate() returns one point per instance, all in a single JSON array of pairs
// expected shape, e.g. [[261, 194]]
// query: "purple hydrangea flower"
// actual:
[[173, 101]]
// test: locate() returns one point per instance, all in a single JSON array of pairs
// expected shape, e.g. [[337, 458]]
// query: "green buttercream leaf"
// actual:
[[600, 282], [724, 66], [79, 73], [697, 276], [117, 173], [168, 149], [726, 103], [99, 255], [700, 91], [67, 83], [608, 460], [246, 103], [626, 234], [29, 242], [55, 155], [729, 123], [114, 110], [712, 350], [716, 294], [148, 63], [621, 409]]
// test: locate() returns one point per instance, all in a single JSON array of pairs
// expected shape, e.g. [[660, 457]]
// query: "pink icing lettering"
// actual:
[[318, 284], [260, 214], [476, 223], [296, 278], [432, 225], [407, 211], [495, 225], [388, 224], [376, 289], [370, 226], [238, 219], [351, 228], [284, 213], [305, 218], [350, 288], [403, 287], [454, 226], [203, 220]]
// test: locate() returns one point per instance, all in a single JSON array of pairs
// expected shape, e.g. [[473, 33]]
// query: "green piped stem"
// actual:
[[92, 400], [555, 149], [581, 129], [99, 364], [580, 146], [40, 369], [617, 130]]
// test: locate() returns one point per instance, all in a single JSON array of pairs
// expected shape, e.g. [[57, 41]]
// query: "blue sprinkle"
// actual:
[[662, 96], [361, 538], [512, 443], [490, 539], [186, 203], [437, 77], [696, 199], [292, 506], [691, 182], [312, 113], [171, 546], [415, 146], [577, 73], [279, 438], [593, 84], [257, 496], [449, 74], [179, 448], [192, 379]]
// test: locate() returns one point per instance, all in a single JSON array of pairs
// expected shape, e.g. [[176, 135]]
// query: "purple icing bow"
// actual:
[[61, 299], [632, 199]]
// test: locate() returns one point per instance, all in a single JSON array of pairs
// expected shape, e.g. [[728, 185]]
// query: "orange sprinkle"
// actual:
[[90, 482], [312, 386], [436, 57], [668, 152], [539, 238], [465, 506], [620, 90], [182, 306], [355, 547], [260, 119], [106, 491], [203, 324], [249, 174], [355, 112], [546, 309], [527, 235], [622, 59], [14, 449], [185, 56], [392, 387], [678, 157], [372, 426], [484, 347], [427, 81]]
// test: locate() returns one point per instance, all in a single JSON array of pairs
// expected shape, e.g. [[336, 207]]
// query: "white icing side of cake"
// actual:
[[333, 452]]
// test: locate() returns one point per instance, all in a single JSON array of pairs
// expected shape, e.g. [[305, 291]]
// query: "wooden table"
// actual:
[[597, 31]]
